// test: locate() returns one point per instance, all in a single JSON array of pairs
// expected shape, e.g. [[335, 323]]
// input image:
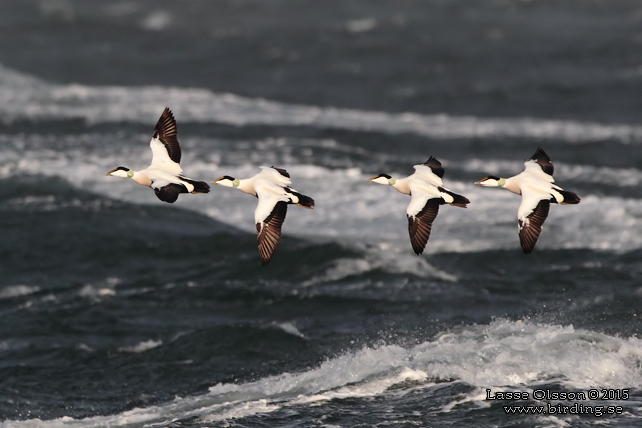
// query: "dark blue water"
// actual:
[[119, 310]]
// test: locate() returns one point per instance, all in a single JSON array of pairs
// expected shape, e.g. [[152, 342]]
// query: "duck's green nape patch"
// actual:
[[130, 173], [501, 182]]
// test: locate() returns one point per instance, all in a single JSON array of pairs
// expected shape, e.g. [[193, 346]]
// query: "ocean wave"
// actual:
[[500, 355], [382, 258], [26, 97], [11, 291], [143, 346]]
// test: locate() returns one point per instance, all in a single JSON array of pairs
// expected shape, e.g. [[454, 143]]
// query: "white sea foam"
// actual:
[[392, 258], [94, 292], [11, 291], [502, 355], [43, 203], [289, 328], [143, 346], [26, 97], [157, 20]]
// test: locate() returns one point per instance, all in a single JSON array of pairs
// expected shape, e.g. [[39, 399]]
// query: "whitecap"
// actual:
[[156, 21], [96, 292], [26, 97], [143, 346], [11, 291], [290, 328], [501, 355]]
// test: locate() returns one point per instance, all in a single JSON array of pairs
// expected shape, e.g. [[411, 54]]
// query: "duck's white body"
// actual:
[[271, 187], [426, 189], [165, 174], [535, 185], [421, 186]]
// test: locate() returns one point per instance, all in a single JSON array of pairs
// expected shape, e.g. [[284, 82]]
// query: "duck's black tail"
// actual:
[[199, 186], [458, 200], [303, 201], [569, 198]]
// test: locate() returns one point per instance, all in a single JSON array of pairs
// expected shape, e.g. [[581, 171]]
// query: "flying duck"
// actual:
[[164, 175], [535, 184], [427, 194], [270, 186]]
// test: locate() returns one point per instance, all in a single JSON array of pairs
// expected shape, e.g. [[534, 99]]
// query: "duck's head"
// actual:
[[492, 181], [122, 172], [227, 181], [383, 179]]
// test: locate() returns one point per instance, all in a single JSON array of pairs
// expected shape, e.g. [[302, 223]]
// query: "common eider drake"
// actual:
[[535, 184], [165, 174], [427, 193], [270, 186]]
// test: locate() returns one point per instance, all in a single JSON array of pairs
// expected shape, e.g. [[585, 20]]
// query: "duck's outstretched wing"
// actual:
[[540, 162], [421, 213], [166, 151], [277, 175], [435, 166], [166, 191], [268, 226], [530, 218], [431, 171]]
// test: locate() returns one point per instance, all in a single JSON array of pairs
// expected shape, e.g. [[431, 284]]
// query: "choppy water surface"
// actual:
[[119, 310]]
